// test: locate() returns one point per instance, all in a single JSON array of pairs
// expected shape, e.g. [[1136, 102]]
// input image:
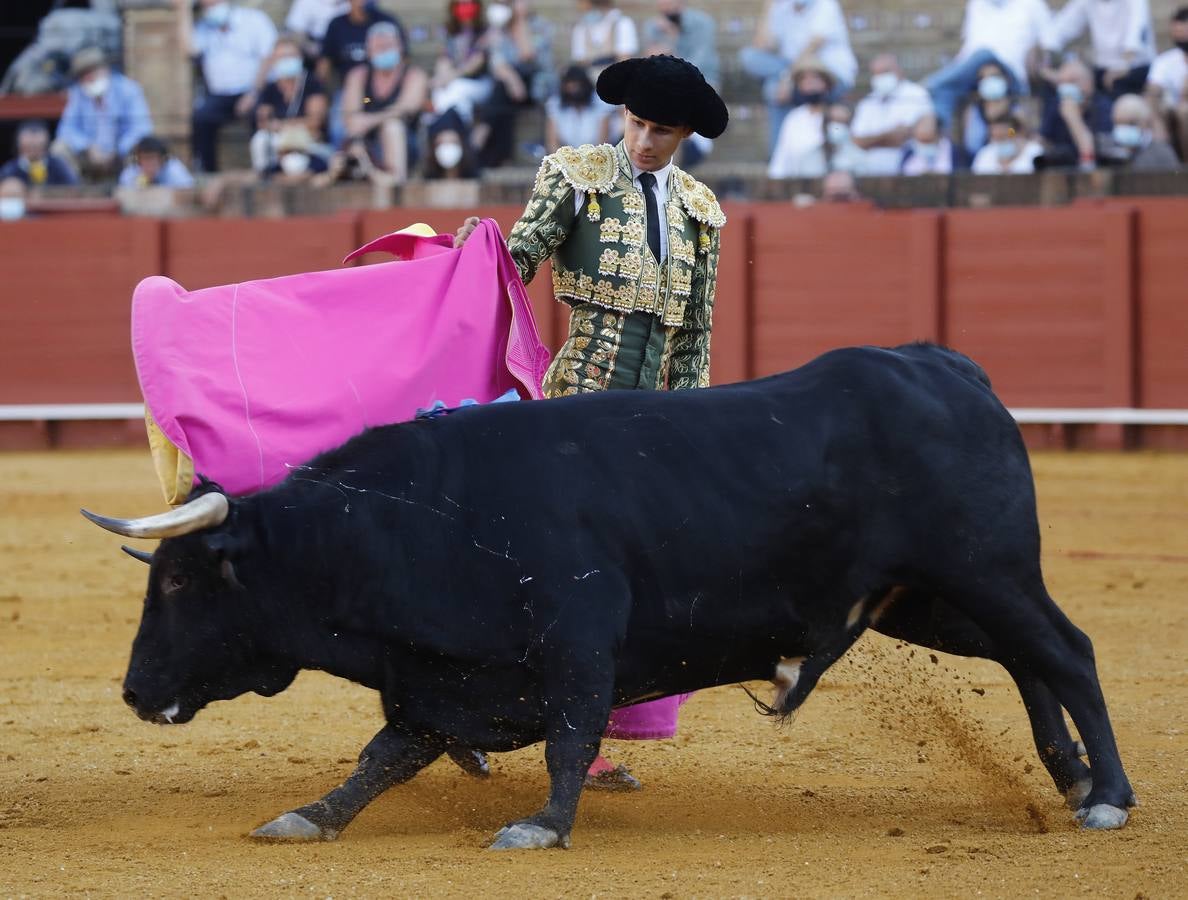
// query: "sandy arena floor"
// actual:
[[896, 779]]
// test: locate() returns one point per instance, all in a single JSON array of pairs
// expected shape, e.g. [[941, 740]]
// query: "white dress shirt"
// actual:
[[661, 192], [232, 55], [987, 161], [874, 115], [1116, 27], [1007, 28], [793, 28]]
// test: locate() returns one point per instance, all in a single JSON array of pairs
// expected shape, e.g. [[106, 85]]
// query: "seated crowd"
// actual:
[[337, 96]]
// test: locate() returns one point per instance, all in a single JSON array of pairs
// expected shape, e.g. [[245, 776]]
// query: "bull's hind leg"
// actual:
[[931, 622], [390, 758], [1033, 633]]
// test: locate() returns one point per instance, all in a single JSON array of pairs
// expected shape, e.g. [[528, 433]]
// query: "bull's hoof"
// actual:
[[293, 827], [1102, 817], [1076, 794], [523, 836]]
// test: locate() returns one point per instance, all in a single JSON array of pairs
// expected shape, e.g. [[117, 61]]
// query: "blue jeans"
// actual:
[[769, 66], [949, 84]]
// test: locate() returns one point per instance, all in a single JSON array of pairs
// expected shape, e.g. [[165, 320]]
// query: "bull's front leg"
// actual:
[[577, 695], [390, 758]]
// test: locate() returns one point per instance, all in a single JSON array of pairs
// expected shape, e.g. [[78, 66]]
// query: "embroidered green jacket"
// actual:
[[603, 268]]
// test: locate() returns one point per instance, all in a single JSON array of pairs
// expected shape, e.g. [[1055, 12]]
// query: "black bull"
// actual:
[[508, 574]]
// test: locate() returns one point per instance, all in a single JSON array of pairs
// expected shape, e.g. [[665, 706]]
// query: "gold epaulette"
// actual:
[[590, 168], [698, 200]]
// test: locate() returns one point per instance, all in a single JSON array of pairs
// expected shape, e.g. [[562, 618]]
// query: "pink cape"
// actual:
[[251, 379]]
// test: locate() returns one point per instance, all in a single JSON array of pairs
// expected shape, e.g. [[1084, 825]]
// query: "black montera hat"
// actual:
[[666, 90]]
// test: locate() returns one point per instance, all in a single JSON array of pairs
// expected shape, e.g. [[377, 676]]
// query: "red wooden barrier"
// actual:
[[1163, 303], [829, 276], [64, 319]]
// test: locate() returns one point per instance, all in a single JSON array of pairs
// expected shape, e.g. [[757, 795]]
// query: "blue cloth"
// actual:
[[959, 78], [173, 174], [440, 409], [112, 124], [58, 172], [1061, 149]]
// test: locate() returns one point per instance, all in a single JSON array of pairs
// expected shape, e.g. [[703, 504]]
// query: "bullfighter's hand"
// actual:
[[465, 231]]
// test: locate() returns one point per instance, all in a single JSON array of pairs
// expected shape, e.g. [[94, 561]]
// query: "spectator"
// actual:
[[1075, 117], [382, 102], [991, 99], [1167, 84], [688, 33], [928, 152], [13, 197], [309, 20], [602, 35], [34, 165], [1123, 42], [1003, 32], [838, 187], [298, 161], [292, 96], [883, 120], [105, 115], [800, 146], [451, 156], [234, 44], [519, 48], [1009, 152], [788, 30], [840, 150], [153, 166], [344, 45], [576, 117], [462, 74], [1132, 143]]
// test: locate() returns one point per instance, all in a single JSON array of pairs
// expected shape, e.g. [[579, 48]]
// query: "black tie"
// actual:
[[648, 181]]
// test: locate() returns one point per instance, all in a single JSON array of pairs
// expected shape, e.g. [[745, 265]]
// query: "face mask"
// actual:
[[294, 163], [466, 12], [576, 97], [287, 67], [217, 15], [498, 15], [813, 98], [837, 132], [1128, 135], [1005, 149], [1070, 91], [992, 87], [448, 154], [388, 59], [96, 87], [883, 83], [673, 17], [12, 208]]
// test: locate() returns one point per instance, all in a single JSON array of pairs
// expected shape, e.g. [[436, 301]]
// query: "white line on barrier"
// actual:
[[60, 412]]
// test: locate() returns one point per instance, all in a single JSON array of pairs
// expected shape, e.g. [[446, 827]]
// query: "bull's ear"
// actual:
[[223, 549]]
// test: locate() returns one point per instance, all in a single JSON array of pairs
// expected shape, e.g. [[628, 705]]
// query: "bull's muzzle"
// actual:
[[206, 511]]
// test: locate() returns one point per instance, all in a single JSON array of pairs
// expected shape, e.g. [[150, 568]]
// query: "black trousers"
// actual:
[[211, 114]]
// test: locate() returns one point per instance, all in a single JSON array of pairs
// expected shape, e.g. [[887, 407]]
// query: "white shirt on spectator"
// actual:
[[1007, 28], [902, 108], [231, 56], [577, 125], [1169, 73], [793, 29], [1115, 27], [987, 162], [604, 35], [313, 17], [938, 161], [800, 147]]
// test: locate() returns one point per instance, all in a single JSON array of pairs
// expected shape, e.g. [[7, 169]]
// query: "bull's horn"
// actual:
[[144, 557], [205, 512]]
